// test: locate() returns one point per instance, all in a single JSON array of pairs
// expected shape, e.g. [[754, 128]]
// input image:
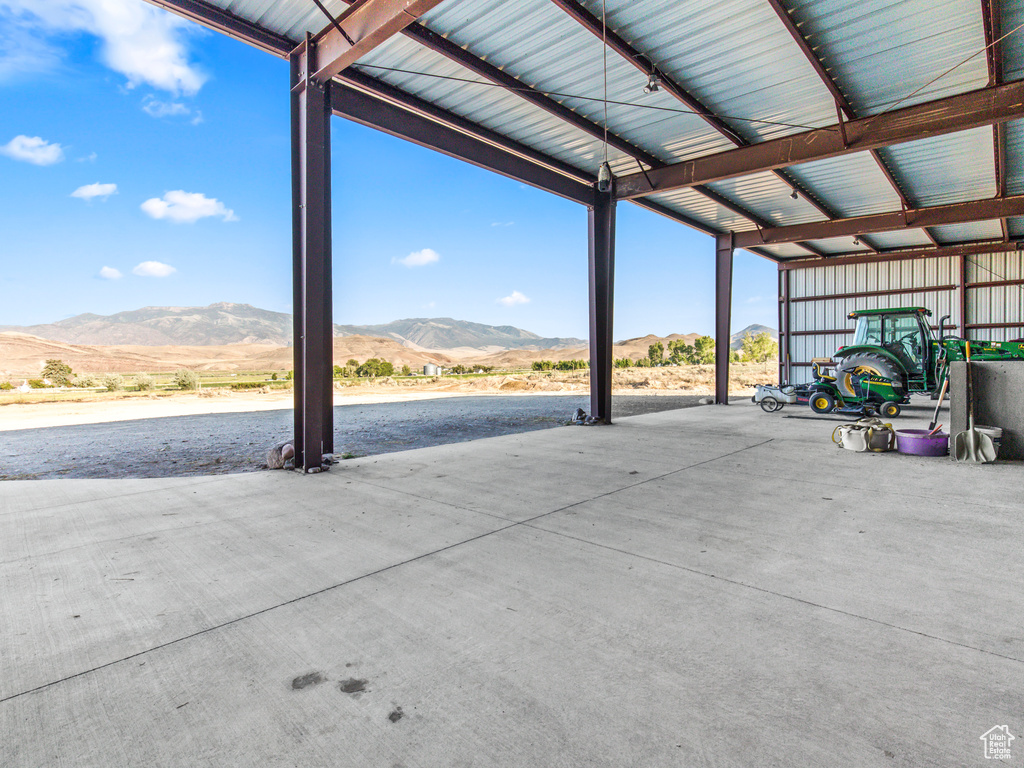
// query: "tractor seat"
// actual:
[[818, 364]]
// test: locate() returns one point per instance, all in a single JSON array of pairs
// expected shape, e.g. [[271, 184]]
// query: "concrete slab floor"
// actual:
[[707, 587]]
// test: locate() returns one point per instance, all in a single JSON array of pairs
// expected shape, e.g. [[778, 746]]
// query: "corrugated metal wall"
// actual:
[[815, 300]]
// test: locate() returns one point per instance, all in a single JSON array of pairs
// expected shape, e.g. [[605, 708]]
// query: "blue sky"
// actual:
[[146, 162]]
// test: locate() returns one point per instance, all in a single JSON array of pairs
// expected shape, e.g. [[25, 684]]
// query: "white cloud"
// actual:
[[153, 269], [186, 207], [142, 42], [109, 273], [90, 158], [156, 108], [418, 258], [514, 298], [502, 223], [89, 191], [32, 149]]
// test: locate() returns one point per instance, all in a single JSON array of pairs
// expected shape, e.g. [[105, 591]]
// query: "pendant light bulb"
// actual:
[[604, 177]]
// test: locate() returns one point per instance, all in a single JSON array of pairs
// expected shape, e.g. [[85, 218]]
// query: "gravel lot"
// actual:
[[238, 442]]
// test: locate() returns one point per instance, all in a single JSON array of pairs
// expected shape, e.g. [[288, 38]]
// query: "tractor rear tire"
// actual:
[[822, 402], [869, 362]]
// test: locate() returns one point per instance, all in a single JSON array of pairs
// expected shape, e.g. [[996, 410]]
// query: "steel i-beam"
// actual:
[[601, 220], [724, 245], [311, 262]]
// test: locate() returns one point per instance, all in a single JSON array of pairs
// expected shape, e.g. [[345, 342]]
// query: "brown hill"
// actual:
[[22, 356]]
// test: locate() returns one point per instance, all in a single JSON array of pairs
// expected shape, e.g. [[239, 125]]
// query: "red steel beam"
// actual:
[[970, 249], [955, 213], [986, 106], [360, 29]]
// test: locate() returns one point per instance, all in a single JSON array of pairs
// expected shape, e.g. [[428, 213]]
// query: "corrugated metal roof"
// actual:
[[881, 51], [907, 238], [965, 233], [946, 169], [854, 185], [739, 59]]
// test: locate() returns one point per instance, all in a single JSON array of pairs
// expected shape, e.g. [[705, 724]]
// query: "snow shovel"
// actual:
[[972, 446]]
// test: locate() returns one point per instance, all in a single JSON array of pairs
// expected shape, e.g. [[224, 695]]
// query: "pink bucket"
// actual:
[[918, 442]]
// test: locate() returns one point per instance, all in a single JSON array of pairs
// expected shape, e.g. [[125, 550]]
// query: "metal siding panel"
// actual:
[[987, 267]]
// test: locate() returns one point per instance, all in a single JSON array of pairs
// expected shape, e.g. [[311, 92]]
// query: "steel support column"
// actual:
[[311, 262], [723, 314], [601, 220]]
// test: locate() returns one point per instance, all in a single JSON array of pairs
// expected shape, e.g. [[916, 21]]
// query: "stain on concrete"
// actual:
[[396, 715], [352, 685], [304, 681]]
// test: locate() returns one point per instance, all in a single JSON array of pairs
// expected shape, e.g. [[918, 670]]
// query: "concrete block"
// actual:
[[998, 401]]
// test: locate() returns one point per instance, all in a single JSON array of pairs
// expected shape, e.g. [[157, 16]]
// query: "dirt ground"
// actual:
[[216, 443], [146, 435]]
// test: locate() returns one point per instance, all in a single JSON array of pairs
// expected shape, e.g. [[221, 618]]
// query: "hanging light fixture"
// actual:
[[794, 194], [856, 241], [604, 177], [653, 83]]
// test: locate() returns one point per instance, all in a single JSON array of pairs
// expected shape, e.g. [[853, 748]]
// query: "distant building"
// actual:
[[431, 370]]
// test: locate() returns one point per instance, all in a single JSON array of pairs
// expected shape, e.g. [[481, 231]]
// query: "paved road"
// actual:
[[238, 442]]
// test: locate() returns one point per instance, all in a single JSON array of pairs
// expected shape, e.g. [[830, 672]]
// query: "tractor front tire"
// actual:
[[889, 410], [822, 402]]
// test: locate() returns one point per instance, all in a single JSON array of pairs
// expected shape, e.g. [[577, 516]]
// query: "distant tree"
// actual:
[[623, 362], [338, 371], [273, 377], [185, 379], [406, 371], [704, 350], [572, 365], [289, 376], [734, 356], [681, 353], [352, 363], [656, 353], [643, 362], [374, 367], [58, 372], [114, 382], [143, 382], [542, 365], [760, 348]]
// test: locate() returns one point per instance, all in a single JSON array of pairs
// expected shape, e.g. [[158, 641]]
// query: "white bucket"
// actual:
[[995, 433]]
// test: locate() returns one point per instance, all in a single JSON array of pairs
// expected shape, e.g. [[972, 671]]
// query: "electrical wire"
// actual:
[[974, 55]]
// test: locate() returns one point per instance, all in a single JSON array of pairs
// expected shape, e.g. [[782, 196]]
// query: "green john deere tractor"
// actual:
[[894, 355]]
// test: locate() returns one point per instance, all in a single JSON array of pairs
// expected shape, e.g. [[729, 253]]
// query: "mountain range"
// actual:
[[225, 323]]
